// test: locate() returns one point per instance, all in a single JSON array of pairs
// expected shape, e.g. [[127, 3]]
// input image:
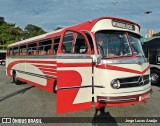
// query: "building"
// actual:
[[150, 33]]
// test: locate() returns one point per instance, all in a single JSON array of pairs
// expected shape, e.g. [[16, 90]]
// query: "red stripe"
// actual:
[[50, 73], [44, 66], [74, 65], [109, 67], [36, 61], [44, 62]]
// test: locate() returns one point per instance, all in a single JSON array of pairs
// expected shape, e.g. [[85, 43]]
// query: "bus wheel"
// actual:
[[17, 82], [55, 87], [155, 77]]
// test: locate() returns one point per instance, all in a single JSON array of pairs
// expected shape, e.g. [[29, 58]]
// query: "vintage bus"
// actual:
[[96, 63], [151, 47]]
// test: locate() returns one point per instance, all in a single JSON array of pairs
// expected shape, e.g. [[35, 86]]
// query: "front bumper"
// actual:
[[123, 100]]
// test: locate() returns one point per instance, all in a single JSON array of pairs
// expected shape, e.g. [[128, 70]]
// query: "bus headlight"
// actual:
[[115, 84]]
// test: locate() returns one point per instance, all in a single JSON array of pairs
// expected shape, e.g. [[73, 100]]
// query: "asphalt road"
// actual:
[[28, 101]]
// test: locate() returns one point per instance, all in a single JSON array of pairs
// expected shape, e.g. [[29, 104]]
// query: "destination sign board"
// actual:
[[123, 25]]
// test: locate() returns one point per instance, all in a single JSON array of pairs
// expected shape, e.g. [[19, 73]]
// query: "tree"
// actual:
[[59, 27], [157, 34], [33, 30], [10, 33], [2, 20]]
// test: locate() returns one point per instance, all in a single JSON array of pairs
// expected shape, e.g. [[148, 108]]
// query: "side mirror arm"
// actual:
[[96, 59]]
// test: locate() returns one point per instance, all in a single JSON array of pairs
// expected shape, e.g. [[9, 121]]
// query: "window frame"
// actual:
[[77, 32], [34, 42], [41, 41], [23, 44]]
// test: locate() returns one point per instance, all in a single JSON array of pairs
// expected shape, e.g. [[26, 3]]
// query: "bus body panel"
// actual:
[[74, 77]]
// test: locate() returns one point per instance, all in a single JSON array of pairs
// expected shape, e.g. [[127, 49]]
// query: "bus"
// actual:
[[2, 57], [151, 47], [93, 64]]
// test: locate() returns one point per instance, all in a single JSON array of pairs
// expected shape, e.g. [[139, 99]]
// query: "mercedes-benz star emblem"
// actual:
[[141, 81]]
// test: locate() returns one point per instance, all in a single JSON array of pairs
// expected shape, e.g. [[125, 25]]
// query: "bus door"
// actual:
[[74, 73]]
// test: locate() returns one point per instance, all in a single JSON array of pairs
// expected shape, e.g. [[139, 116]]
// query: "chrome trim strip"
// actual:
[[74, 56], [73, 87], [146, 80], [130, 82], [118, 100], [58, 56], [133, 82], [125, 61]]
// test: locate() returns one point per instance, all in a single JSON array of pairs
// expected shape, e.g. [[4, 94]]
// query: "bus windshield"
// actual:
[[112, 44], [135, 42]]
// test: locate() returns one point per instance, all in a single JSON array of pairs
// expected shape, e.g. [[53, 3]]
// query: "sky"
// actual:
[[50, 14]]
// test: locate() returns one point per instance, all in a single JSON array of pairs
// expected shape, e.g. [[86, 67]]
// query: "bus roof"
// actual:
[[88, 25]]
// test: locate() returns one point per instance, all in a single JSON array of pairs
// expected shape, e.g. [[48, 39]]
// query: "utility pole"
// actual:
[[114, 7]]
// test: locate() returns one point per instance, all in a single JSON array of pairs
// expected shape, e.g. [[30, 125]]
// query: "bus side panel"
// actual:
[[66, 97], [34, 72]]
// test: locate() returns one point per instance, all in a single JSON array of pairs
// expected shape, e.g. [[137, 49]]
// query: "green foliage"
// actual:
[[10, 33], [2, 20], [33, 30], [157, 34]]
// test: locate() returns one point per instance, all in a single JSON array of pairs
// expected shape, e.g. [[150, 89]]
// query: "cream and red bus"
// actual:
[[96, 63]]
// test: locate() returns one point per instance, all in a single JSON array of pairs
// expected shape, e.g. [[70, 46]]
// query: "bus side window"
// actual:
[[80, 45], [32, 48], [23, 50], [44, 47], [15, 51], [56, 44], [67, 43]]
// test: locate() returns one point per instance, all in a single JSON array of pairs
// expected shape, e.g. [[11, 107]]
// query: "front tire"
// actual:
[[155, 77], [17, 82]]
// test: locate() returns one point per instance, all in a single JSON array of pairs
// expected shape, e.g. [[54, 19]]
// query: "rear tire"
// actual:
[[155, 77], [17, 82]]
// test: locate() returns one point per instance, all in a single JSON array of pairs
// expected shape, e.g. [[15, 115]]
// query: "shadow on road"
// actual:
[[22, 91], [103, 118]]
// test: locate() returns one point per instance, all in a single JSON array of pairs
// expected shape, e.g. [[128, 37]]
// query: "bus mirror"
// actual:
[[96, 59]]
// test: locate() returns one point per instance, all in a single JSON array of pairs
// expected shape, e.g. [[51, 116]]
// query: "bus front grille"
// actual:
[[134, 81]]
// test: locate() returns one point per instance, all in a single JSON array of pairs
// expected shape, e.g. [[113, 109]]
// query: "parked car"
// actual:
[[2, 57], [2, 62]]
